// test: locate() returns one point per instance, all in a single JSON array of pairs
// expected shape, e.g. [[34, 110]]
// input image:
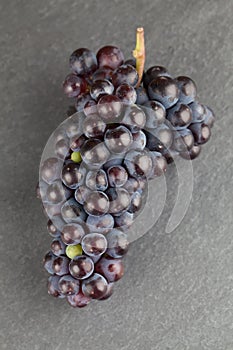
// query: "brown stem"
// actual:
[[140, 53]]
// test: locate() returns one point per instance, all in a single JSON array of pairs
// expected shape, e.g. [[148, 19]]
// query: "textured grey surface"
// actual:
[[177, 293]]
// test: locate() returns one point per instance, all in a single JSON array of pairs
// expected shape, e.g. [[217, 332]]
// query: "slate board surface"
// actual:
[[177, 293]]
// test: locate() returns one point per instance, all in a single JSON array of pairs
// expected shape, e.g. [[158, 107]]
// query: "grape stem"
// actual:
[[140, 53]]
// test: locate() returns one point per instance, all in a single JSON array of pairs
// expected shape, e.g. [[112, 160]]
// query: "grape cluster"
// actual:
[[95, 184]]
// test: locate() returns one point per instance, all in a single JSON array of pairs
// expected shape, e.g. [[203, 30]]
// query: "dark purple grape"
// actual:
[[53, 288], [102, 224], [180, 116], [94, 153], [52, 210], [134, 118], [124, 221], [73, 175], [142, 96], [209, 117], [96, 180], [118, 140], [72, 125], [138, 163], [83, 61], [50, 170], [73, 85], [48, 262], [198, 112], [126, 93], [81, 267], [52, 229], [97, 203], [90, 108], [131, 61], [77, 143], [109, 292], [57, 193], [159, 139], [164, 89], [100, 88], [119, 200], [82, 101], [159, 165], [132, 185], [188, 89], [93, 126], [139, 140], [154, 72], [71, 211], [61, 265], [125, 74], [111, 269], [201, 133], [117, 176], [109, 108], [78, 300], [192, 153], [62, 149], [58, 247], [68, 285], [136, 203], [117, 243], [110, 56], [72, 234], [81, 194], [103, 73], [95, 287], [155, 114], [94, 244], [183, 140]]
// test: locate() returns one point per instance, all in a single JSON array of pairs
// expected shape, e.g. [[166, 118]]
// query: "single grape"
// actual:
[[138, 163], [82, 101], [183, 140], [83, 61], [201, 133], [119, 200], [68, 285], [164, 89], [78, 300], [118, 244], [159, 139], [76, 157], [142, 96], [61, 265], [180, 116], [57, 193], [73, 125], [81, 267], [109, 108], [159, 165], [73, 85], [62, 149], [154, 72], [51, 170], [97, 203], [72, 234], [93, 126], [136, 203], [58, 247], [74, 250], [95, 287], [101, 224], [110, 56], [125, 74], [73, 175], [52, 211], [53, 288], [111, 269], [81, 194], [52, 229], [192, 153], [126, 93], [71, 211], [94, 244], [48, 262], [117, 176], [139, 140], [209, 117], [134, 118], [94, 153], [198, 112], [118, 140], [77, 143], [109, 292], [90, 108], [100, 88], [155, 114], [188, 89], [96, 180], [103, 73], [124, 221]]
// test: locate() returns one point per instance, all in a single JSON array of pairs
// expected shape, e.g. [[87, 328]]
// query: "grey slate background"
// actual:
[[177, 293]]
